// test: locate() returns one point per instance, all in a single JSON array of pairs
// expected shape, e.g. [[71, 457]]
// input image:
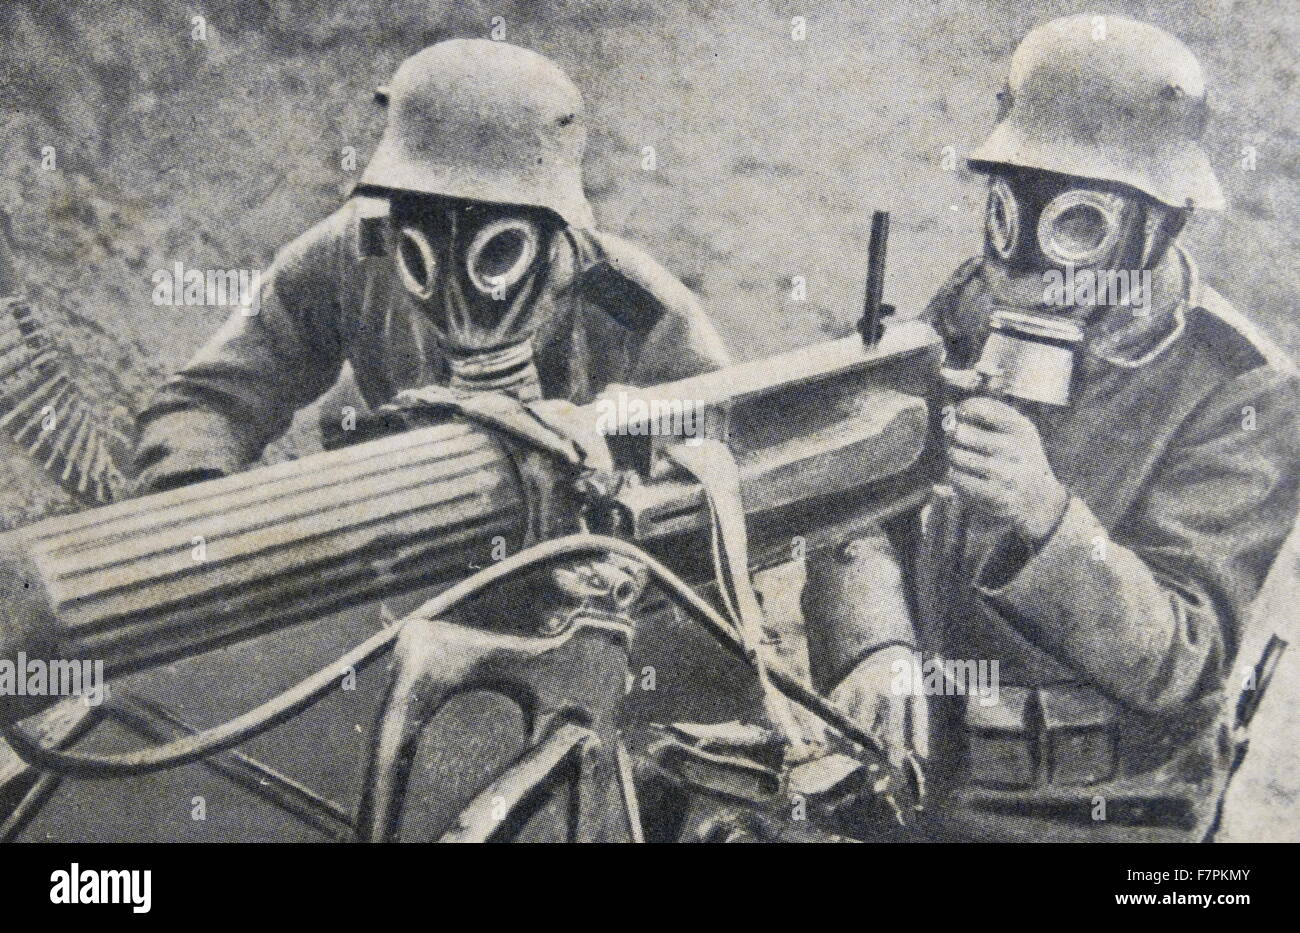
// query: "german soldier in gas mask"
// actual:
[[1123, 470], [467, 257]]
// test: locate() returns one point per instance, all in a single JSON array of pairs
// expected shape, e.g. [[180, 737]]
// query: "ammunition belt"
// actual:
[[44, 411]]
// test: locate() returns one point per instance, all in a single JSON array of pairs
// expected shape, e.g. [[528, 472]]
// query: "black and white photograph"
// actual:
[[690, 421]]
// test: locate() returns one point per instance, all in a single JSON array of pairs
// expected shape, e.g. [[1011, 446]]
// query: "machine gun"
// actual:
[[823, 439]]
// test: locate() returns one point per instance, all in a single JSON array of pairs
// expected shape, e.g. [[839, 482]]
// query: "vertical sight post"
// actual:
[[874, 310]]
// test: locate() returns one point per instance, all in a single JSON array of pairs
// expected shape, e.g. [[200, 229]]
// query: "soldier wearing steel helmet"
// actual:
[[467, 256], [1105, 551]]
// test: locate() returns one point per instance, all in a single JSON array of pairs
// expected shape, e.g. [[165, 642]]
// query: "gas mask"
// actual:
[[1063, 257], [475, 271], [1038, 221]]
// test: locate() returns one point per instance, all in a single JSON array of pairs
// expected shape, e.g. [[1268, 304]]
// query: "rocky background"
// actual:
[[214, 150]]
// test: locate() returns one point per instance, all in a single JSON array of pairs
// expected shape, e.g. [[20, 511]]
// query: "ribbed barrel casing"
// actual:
[[164, 576]]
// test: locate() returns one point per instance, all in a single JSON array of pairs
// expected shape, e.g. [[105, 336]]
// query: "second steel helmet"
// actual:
[[1111, 99], [484, 121]]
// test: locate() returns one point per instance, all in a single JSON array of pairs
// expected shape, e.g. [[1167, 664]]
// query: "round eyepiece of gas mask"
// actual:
[[1081, 227], [417, 263], [1002, 218], [501, 254]]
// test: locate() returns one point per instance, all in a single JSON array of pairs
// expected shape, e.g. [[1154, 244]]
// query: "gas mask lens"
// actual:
[[1002, 223], [1081, 227], [416, 263], [501, 253]]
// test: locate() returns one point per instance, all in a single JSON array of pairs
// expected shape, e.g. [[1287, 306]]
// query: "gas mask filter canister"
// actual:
[[1025, 357]]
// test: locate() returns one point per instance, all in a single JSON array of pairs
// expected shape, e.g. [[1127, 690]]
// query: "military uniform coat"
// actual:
[[609, 313], [1117, 638]]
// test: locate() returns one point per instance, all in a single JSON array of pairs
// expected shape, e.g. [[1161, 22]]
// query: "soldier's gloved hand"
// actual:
[[1000, 468], [882, 694]]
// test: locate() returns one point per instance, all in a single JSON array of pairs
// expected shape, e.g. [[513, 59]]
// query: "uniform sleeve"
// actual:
[[669, 336], [854, 604], [1154, 612], [240, 391]]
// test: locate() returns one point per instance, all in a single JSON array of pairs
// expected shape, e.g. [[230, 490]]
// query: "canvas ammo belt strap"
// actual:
[[710, 463]]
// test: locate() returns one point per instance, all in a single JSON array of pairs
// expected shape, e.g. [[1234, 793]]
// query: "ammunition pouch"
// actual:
[[1062, 735]]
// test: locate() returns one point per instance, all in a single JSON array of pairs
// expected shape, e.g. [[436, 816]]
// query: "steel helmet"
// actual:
[[484, 121], [1111, 99]]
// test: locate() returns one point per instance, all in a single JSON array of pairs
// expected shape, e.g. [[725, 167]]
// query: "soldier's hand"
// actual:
[[1000, 468], [880, 696]]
